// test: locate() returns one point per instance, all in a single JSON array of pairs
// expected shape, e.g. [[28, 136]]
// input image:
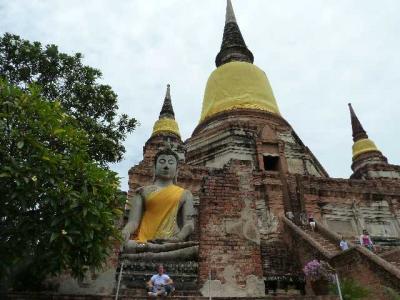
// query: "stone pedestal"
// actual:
[[135, 274]]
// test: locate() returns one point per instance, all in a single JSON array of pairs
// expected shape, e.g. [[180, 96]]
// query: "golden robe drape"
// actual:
[[159, 218]]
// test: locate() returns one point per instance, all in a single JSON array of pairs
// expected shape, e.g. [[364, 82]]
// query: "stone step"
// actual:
[[324, 242], [395, 263], [392, 256], [281, 292], [48, 296], [143, 292], [136, 273]]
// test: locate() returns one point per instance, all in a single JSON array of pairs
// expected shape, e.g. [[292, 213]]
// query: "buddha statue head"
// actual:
[[166, 165]]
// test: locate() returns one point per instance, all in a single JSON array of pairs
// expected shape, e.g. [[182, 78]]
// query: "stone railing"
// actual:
[[298, 231], [393, 254], [376, 259], [357, 255], [330, 235], [379, 262]]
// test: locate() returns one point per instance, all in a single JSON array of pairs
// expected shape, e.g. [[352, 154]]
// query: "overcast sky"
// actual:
[[318, 55]]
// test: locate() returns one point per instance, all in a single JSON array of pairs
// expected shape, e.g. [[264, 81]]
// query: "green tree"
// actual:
[[58, 206], [64, 78]]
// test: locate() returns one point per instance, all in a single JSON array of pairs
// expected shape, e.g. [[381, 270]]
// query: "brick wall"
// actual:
[[323, 197], [227, 199], [355, 266]]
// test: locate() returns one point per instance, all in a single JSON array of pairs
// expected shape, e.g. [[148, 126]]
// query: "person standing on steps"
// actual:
[[343, 244], [365, 240], [311, 221]]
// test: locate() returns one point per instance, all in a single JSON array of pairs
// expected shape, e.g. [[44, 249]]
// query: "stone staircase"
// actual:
[[322, 243], [330, 248], [327, 244], [358, 262], [395, 263], [392, 256], [387, 249]]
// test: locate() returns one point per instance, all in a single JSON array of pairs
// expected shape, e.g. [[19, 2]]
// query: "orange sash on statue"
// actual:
[[159, 218]]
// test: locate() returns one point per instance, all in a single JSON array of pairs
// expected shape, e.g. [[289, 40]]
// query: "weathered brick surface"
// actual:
[[364, 199], [224, 196], [355, 266], [357, 263], [253, 133], [238, 203], [392, 256]]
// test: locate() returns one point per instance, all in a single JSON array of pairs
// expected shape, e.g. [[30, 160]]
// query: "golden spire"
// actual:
[[362, 143], [166, 122], [236, 83]]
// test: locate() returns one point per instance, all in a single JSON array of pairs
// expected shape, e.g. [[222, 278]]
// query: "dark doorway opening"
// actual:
[[271, 163]]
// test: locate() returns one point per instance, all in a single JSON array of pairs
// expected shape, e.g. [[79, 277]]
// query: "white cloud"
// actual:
[[318, 55]]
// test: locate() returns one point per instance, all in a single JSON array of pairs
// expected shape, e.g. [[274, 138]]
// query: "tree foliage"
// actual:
[[64, 78], [58, 206]]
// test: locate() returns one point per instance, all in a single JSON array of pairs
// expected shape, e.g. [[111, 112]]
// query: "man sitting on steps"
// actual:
[[160, 284]]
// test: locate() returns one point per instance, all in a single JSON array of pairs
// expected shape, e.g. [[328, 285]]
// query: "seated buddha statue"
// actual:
[[160, 217]]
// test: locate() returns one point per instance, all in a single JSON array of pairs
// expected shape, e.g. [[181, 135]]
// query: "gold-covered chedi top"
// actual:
[[166, 122], [166, 125], [362, 144], [236, 83]]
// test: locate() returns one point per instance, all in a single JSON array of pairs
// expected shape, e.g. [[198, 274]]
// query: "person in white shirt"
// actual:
[[160, 284], [311, 221], [343, 244]]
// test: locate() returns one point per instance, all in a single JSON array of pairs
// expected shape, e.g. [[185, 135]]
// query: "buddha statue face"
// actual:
[[166, 166]]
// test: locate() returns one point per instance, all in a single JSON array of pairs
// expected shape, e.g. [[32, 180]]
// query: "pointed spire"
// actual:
[[166, 123], [230, 14], [167, 110], [358, 131], [168, 92], [233, 47]]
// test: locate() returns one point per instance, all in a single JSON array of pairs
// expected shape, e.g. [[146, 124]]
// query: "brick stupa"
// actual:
[[256, 184]]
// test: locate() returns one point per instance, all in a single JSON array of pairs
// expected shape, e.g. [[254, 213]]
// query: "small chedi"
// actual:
[[227, 211]]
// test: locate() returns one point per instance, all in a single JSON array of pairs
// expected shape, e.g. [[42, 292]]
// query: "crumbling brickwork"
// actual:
[[229, 236], [349, 206]]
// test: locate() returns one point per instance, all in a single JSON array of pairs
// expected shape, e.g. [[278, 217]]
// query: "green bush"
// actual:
[[351, 290], [393, 295]]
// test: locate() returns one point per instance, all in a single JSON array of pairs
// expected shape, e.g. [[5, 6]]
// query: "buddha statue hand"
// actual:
[[125, 235], [127, 232], [168, 240]]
